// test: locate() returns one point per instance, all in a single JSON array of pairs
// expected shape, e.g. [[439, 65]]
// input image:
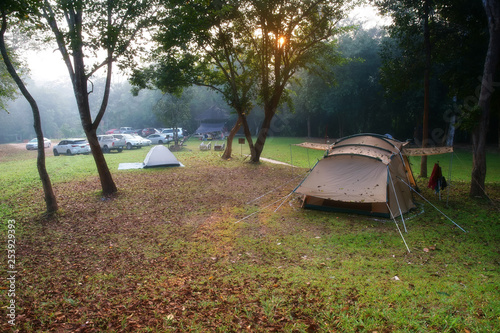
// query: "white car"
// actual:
[[72, 147], [170, 133], [159, 138], [132, 141], [33, 144], [109, 142]]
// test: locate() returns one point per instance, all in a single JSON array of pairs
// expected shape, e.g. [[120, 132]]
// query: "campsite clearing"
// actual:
[[166, 254]]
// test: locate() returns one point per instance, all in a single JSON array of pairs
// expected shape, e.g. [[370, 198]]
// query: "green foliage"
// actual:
[[173, 111], [470, 117], [459, 41], [8, 88], [353, 102], [247, 51]]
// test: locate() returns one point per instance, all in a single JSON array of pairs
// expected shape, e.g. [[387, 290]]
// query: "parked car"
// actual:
[[109, 142], [112, 131], [158, 138], [170, 133], [72, 147], [133, 141], [149, 131], [33, 144], [124, 130], [132, 131]]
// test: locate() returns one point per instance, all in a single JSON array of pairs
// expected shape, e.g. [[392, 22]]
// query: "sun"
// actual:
[[281, 41]]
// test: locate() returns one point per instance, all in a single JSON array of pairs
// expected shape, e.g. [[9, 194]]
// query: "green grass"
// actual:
[[172, 252]]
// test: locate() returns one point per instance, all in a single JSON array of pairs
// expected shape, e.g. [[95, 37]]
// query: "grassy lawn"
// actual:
[[219, 246]]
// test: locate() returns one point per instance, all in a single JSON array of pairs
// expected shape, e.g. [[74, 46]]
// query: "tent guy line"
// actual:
[[274, 189], [430, 203], [261, 209]]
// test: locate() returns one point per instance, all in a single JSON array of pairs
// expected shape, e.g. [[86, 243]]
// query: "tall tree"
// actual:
[[412, 29], [492, 9], [8, 8], [84, 30], [284, 37], [242, 47], [458, 35], [199, 43], [427, 80]]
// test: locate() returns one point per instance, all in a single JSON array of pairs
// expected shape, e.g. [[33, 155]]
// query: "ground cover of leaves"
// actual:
[[177, 250]]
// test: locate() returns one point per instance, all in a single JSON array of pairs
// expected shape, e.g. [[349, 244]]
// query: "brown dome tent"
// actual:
[[364, 173]]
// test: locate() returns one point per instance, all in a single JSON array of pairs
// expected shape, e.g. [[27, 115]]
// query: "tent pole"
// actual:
[[397, 200], [397, 226]]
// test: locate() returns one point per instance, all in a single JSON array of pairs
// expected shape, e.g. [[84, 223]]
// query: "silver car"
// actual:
[[72, 147], [159, 138], [132, 141], [33, 144]]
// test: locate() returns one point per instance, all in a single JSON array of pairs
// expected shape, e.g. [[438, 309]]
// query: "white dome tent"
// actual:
[[158, 156]]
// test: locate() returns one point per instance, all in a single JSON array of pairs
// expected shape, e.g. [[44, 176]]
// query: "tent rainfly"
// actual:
[[212, 120], [364, 173], [158, 156]]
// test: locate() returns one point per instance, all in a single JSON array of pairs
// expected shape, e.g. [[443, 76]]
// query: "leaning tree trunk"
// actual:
[[261, 137], [50, 198], [81, 93], [477, 186], [229, 141], [107, 184], [248, 136], [77, 72]]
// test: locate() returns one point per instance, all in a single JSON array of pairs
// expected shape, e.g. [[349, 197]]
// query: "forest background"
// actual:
[[364, 97]]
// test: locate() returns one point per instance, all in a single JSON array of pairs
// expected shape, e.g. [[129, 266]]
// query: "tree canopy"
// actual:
[[242, 49], [7, 86]]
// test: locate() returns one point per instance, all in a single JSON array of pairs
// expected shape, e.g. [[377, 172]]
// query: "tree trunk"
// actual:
[[261, 137], [49, 196], [107, 184], [425, 121], [478, 177], [229, 142], [79, 81], [248, 136]]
